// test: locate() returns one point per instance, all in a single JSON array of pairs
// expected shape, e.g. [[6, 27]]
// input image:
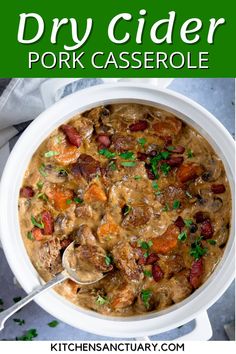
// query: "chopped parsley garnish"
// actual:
[[142, 141], [108, 154], [51, 153], [42, 196], [146, 296], [20, 322], [29, 335], [170, 148], [188, 222], [78, 200], [147, 273], [165, 168], [189, 153], [176, 204], [127, 155], [30, 236], [36, 223], [197, 251], [128, 163], [137, 178], [182, 236], [42, 170], [154, 162], [188, 194], [212, 242], [127, 209], [108, 260], [58, 139], [68, 201], [40, 184], [101, 300], [53, 324], [155, 185], [166, 207], [146, 254], [165, 155], [112, 166], [1, 302], [145, 245], [17, 299]]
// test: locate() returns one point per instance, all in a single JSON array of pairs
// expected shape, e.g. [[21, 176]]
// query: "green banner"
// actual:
[[118, 38]]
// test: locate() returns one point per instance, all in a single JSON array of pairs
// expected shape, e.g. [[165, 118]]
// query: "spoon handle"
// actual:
[[4, 315]]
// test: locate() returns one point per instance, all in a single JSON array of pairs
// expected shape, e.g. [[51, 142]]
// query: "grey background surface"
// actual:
[[217, 95]]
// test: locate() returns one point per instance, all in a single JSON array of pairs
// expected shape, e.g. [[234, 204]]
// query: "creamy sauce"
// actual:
[[145, 197]]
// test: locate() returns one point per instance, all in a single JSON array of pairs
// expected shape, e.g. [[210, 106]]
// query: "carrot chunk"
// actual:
[[95, 193], [167, 241]]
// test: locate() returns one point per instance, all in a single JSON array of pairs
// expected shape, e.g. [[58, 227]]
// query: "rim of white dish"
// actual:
[[38, 130]]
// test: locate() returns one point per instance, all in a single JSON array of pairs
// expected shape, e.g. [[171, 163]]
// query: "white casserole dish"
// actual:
[[138, 326]]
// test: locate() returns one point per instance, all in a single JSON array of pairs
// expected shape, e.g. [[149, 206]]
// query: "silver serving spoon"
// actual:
[[68, 272]]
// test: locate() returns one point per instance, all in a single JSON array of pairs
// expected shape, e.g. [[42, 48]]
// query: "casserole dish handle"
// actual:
[[201, 332], [50, 87]]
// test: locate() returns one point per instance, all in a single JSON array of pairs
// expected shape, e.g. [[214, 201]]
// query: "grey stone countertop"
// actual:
[[217, 95]]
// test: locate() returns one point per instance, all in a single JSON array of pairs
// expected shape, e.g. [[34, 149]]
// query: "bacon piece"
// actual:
[[104, 140], [196, 273], [72, 134], [141, 125], [175, 161], [188, 172], [179, 149], [217, 188], [26, 192], [200, 217], [207, 229], [157, 272], [142, 156], [179, 222], [48, 222], [152, 258]]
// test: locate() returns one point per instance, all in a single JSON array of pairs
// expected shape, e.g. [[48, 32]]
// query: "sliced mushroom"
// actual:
[[55, 174]]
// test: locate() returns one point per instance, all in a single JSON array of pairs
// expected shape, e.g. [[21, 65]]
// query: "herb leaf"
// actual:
[[127, 209], [29, 335], [165, 168], [127, 155], [147, 273], [145, 296], [165, 155], [197, 251], [78, 200], [53, 324], [42, 170], [108, 260], [40, 184], [68, 201], [137, 178], [189, 153], [176, 204], [112, 165], [188, 222], [145, 245], [108, 154], [166, 207], [30, 236], [51, 153], [182, 236], [142, 141], [101, 300], [211, 242], [155, 185], [40, 225], [128, 163]]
